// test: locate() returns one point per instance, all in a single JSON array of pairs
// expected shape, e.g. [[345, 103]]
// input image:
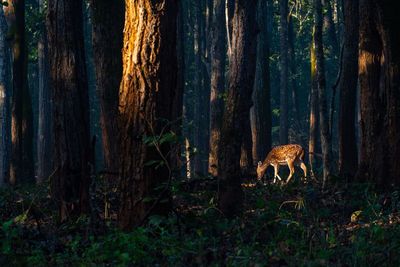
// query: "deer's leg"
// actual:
[[291, 168], [304, 168], [276, 170]]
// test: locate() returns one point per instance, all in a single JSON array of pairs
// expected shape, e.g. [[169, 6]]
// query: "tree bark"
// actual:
[[284, 65], [107, 36], [5, 92], [21, 165], [44, 143], [323, 112], [379, 77], [348, 90], [261, 111], [146, 97], [241, 80], [246, 158], [218, 59], [329, 26], [314, 114], [293, 73], [71, 181]]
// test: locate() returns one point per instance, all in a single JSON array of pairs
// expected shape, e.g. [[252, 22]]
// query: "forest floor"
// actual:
[[292, 225]]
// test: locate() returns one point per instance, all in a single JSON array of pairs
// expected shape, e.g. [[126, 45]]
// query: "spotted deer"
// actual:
[[283, 155]]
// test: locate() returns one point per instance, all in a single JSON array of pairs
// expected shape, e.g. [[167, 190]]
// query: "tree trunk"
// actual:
[[145, 109], [107, 35], [314, 116], [293, 74], [261, 111], [71, 181], [5, 92], [329, 26], [323, 112], [44, 143], [348, 91], [379, 77], [218, 58], [283, 42], [246, 157], [241, 80], [21, 165]]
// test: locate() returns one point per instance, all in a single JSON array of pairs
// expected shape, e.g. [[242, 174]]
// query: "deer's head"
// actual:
[[260, 170]]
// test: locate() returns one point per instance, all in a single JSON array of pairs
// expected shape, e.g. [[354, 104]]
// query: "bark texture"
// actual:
[[241, 79], [321, 82], [218, 59], [107, 36], [21, 165], [145, 108], [379, 77], [261, 111], [72, 149], [348, 91]]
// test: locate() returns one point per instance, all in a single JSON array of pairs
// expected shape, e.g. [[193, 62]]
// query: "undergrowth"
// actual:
[[294, 225]]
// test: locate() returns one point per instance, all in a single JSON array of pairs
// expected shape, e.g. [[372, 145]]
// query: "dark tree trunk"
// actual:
[[261, 112], [314, 117], [284, 68], [107, 34], [246, 158], [145, 108], [241, 79], [218, 58], [21, 168], [293, 74], [44, 142], [348, 91], [323, 112], [71, 181], [329, 26], [379, 77], [5, 93]]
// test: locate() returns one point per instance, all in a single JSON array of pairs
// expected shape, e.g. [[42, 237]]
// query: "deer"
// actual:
[[290, 155]]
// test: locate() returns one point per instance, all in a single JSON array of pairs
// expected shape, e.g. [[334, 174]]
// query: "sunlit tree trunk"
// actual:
[[348, 91], [261, 111], [21, 168], [284, 76], [218, 59], [5, 92], [145, 109], [107, 35], [44, 142], [323, 112], [379, 77], [72, 149], [241, 80]]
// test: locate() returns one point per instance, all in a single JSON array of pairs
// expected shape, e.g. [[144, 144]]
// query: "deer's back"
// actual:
[[280, 154]]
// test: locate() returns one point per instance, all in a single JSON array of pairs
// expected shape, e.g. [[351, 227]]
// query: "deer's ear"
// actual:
[[259, 163]]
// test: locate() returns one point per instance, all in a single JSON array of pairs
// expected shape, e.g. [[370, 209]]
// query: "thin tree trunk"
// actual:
[[70, 184], [348, 90], [44, 143], [293, 73], [241, 80], [261, 111], [323, 112], [107, 35], [314, 116], [329, 25], [5, 92], [21, 168], [218, 59], [145, 109], [283, 42]]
